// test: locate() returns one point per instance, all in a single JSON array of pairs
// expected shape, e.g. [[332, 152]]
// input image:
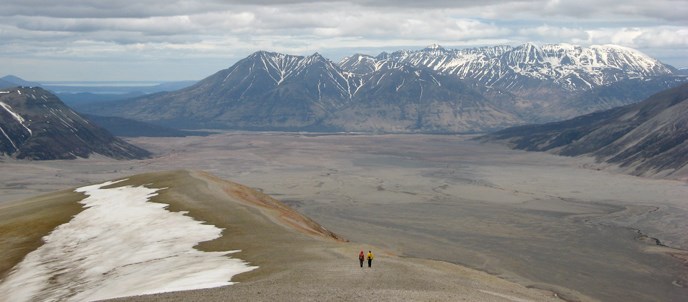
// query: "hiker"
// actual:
[[360, 258], [370, 258]]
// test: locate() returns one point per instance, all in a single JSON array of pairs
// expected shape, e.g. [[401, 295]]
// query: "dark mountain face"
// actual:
[[359, 64], [281, 92], [402, 98], [264, 91], [431, 90], [35, 124], [622, 93], [546, 83], [6, 84], [646, 138]]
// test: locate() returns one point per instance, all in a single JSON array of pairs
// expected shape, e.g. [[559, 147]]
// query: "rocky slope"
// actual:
[[263, 91], [645, 138], [433, 90], [402, 98], [569, 67], [272, 91], [546, 83], [35, 124]]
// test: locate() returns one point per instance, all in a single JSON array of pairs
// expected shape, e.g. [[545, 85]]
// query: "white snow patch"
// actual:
[[121, 245], [8, 138], [16, 116]]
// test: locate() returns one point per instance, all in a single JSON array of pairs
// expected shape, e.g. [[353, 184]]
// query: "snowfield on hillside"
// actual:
[[121, 245]]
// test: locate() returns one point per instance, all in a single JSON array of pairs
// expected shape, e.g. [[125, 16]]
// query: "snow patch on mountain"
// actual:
[[16, 116], [568, 66], [121, 245], [434, 89]]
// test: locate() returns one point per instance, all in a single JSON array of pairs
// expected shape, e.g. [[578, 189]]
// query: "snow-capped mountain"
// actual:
[[360, 64], [428, 90], [35, 124], [275, 91], [266, 90], [540, 84], [566, 66], [396, 97]]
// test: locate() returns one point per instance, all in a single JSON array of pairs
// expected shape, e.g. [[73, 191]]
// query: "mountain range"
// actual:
[[646, 138], [432, 90], [35, 124], [567, 66]]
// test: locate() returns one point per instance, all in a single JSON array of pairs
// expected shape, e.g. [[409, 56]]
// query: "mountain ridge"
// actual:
[[646, 138], [35, 124], [551, 62], [517, 85]]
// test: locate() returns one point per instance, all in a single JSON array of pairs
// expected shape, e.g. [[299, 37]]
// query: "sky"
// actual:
[[152, 40]]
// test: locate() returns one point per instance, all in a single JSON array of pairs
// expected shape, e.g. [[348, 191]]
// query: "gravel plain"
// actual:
[[532, 220]]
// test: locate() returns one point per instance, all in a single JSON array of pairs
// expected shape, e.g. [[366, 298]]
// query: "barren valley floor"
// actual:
[[541, 220]]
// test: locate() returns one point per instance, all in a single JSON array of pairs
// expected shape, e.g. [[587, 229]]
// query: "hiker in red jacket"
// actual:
[[361, 257]]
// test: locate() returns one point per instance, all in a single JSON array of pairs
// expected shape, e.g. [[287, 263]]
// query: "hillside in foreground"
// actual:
[[289, 252]]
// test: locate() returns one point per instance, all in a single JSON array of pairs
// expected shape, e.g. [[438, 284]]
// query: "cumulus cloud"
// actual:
[[551, 34], [673, 10], [215, 30], [640, 37]]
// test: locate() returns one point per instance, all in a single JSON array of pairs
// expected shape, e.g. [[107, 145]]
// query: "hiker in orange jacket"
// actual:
[[361, 257], [370, 258]]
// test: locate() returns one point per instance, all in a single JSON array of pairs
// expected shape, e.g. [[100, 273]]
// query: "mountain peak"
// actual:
[[265, 53], [259, 53], [317, 56], [360, 57], [434, 46], [359, 63], [528, 46], [13, 80], [570, 67], [289, 92]]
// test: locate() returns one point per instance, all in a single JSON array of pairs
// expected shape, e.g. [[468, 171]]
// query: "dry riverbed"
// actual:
[[542, 221]]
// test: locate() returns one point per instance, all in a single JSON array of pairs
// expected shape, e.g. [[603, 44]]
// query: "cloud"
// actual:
[[668, 10], [663, 37], [553, 34], [171, 25], [221, 30], [638, 37]]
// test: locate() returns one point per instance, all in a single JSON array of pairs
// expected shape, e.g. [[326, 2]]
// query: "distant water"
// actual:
[[102, 83], [114, 87]]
